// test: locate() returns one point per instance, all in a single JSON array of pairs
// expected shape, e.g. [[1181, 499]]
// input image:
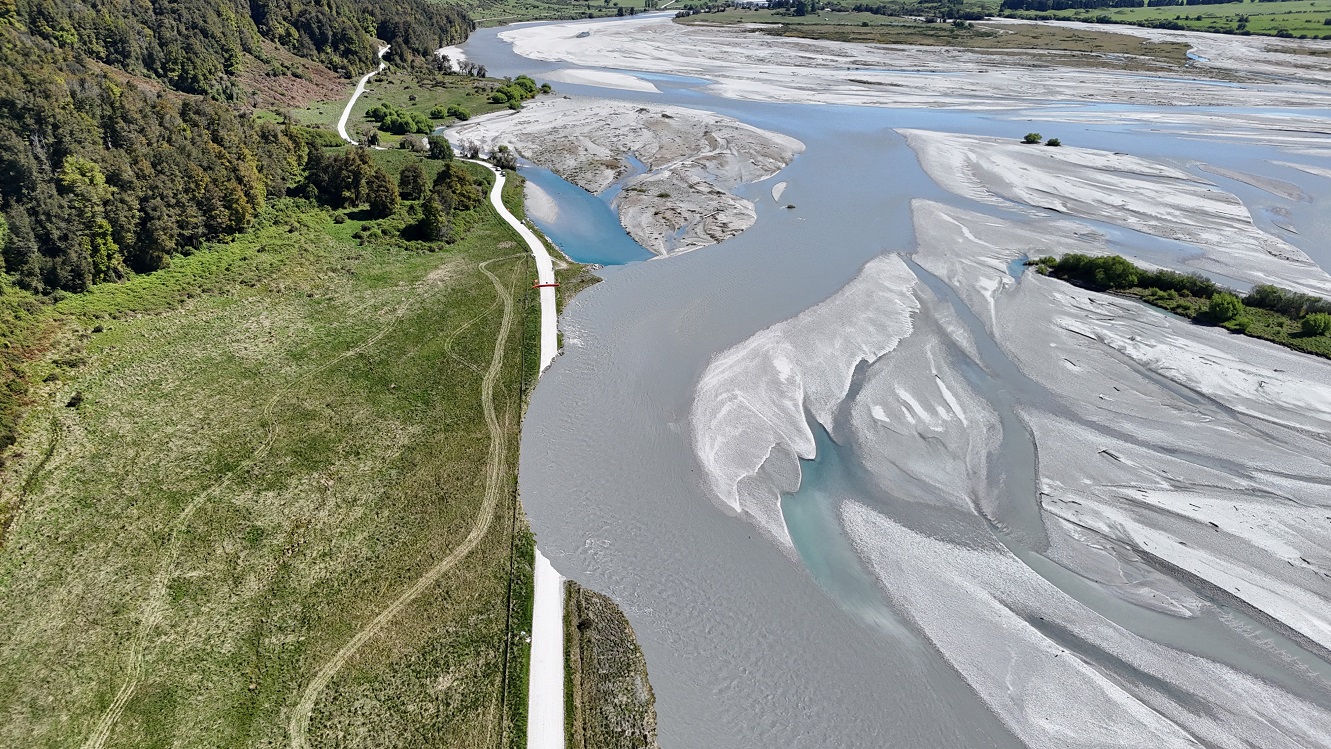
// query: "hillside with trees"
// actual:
[[118, 143]]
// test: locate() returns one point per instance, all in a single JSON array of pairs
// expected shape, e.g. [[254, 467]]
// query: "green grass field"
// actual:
[[270, 441], [1084, 47], [1300, 18], [413, 91]]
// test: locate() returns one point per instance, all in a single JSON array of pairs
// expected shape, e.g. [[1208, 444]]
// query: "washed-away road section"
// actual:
[[545, 688]]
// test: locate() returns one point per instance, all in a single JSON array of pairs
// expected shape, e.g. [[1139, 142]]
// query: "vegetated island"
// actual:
[[937, 25], [609, 702], [1292, 319]]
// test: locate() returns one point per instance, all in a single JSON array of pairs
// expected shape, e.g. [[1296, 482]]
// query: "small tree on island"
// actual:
[[1032, 138], [1224, 307], [1318, 323]]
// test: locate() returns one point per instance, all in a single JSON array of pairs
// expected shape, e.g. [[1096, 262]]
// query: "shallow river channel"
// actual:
[[753, 644]]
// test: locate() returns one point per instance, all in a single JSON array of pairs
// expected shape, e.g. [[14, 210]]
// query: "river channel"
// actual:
[[747, 644]]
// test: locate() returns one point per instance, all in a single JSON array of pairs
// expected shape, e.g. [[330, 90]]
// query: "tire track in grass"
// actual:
[[494, 481], [154, 610]]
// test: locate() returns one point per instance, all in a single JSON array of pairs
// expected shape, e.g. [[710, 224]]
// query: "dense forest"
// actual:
[[104, 171], [198, 46]]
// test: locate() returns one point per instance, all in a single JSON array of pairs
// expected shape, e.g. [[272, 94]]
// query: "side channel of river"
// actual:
[[746, 646]]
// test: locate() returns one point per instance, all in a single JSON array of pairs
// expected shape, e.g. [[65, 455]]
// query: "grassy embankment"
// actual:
[[26, 330], [1268, 313], [608, 700], [269, 441], [1084, 48], [1298, 18]]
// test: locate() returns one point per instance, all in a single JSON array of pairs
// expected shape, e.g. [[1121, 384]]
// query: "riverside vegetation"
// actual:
[[1292, 319], [900, 23], [608, 701], [127, 137]]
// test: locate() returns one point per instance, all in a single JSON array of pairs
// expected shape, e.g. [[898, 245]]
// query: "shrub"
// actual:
[[1237, 325], [1224, 307], [1318, 323], [527, 85], [398, 121], [439, 112], [1032, 138], [459, 113], [1191, 284], [1112, 272], [1289, 303], [1055, 142]]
